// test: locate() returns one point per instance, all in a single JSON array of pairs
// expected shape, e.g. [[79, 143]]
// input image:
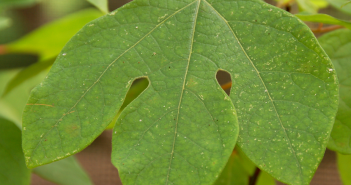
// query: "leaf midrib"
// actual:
[[183, 87], [102, 74], [258, 74]]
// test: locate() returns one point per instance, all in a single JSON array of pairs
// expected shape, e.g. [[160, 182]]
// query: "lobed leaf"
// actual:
[[284, 93], [337, 44], [13, 169]]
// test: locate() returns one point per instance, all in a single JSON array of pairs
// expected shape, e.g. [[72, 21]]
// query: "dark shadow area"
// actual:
[[224, 79]]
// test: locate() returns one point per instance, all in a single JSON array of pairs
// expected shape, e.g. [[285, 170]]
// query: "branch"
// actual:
[[253, 179], [2, 50], [321, 29]]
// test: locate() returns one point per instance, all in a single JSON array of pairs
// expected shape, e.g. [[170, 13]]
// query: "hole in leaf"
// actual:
[[137, 87], [224, 79]]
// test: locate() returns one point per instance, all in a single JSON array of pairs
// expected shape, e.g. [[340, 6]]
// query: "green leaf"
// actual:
[[308, 6], [265, 179], [234, 172], [16, 3], [48, 40], [320, 3], [26, 74], [64, 172], [101, 4], [284, 93], [4, 22], [337, 44], [13, 170], [345, 4], [239, 169], [344, 167], [342, 5], [12, 105], [323, 18]]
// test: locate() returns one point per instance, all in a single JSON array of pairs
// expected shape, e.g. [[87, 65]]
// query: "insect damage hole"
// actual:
[[224, 79], [138, 86]]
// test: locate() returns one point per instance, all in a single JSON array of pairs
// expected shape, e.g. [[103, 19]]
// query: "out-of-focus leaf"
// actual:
[[247, 164], [11, 105], [344, 166], [64, 172], [48, 40], [16, 3], [12, 61], [13, 170], [239, 169], [323, 18], [134, 91], [234, 172], [101, 4], [27, 73], [345, 4], [265, 179], [308, 6], [4, 22], [342, 5], [320, 3], [337, 44], [312, 5]]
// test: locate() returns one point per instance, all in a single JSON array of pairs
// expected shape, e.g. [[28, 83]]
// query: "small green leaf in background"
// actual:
[[284, 93], [342, 5], [101, 4], [265, 179], [4, 22], [26, 74], [13, 170], [344, 167], [64, 172], [307, 5], [337, 44], [234, 172], [323, 18], [16, 3], [320, 3], [12, 105], [345, 4], [239, 169], [48, 40]]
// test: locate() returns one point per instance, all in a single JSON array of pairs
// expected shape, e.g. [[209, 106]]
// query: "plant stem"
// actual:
[[2, 49], [253, 179], [320, 29]]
